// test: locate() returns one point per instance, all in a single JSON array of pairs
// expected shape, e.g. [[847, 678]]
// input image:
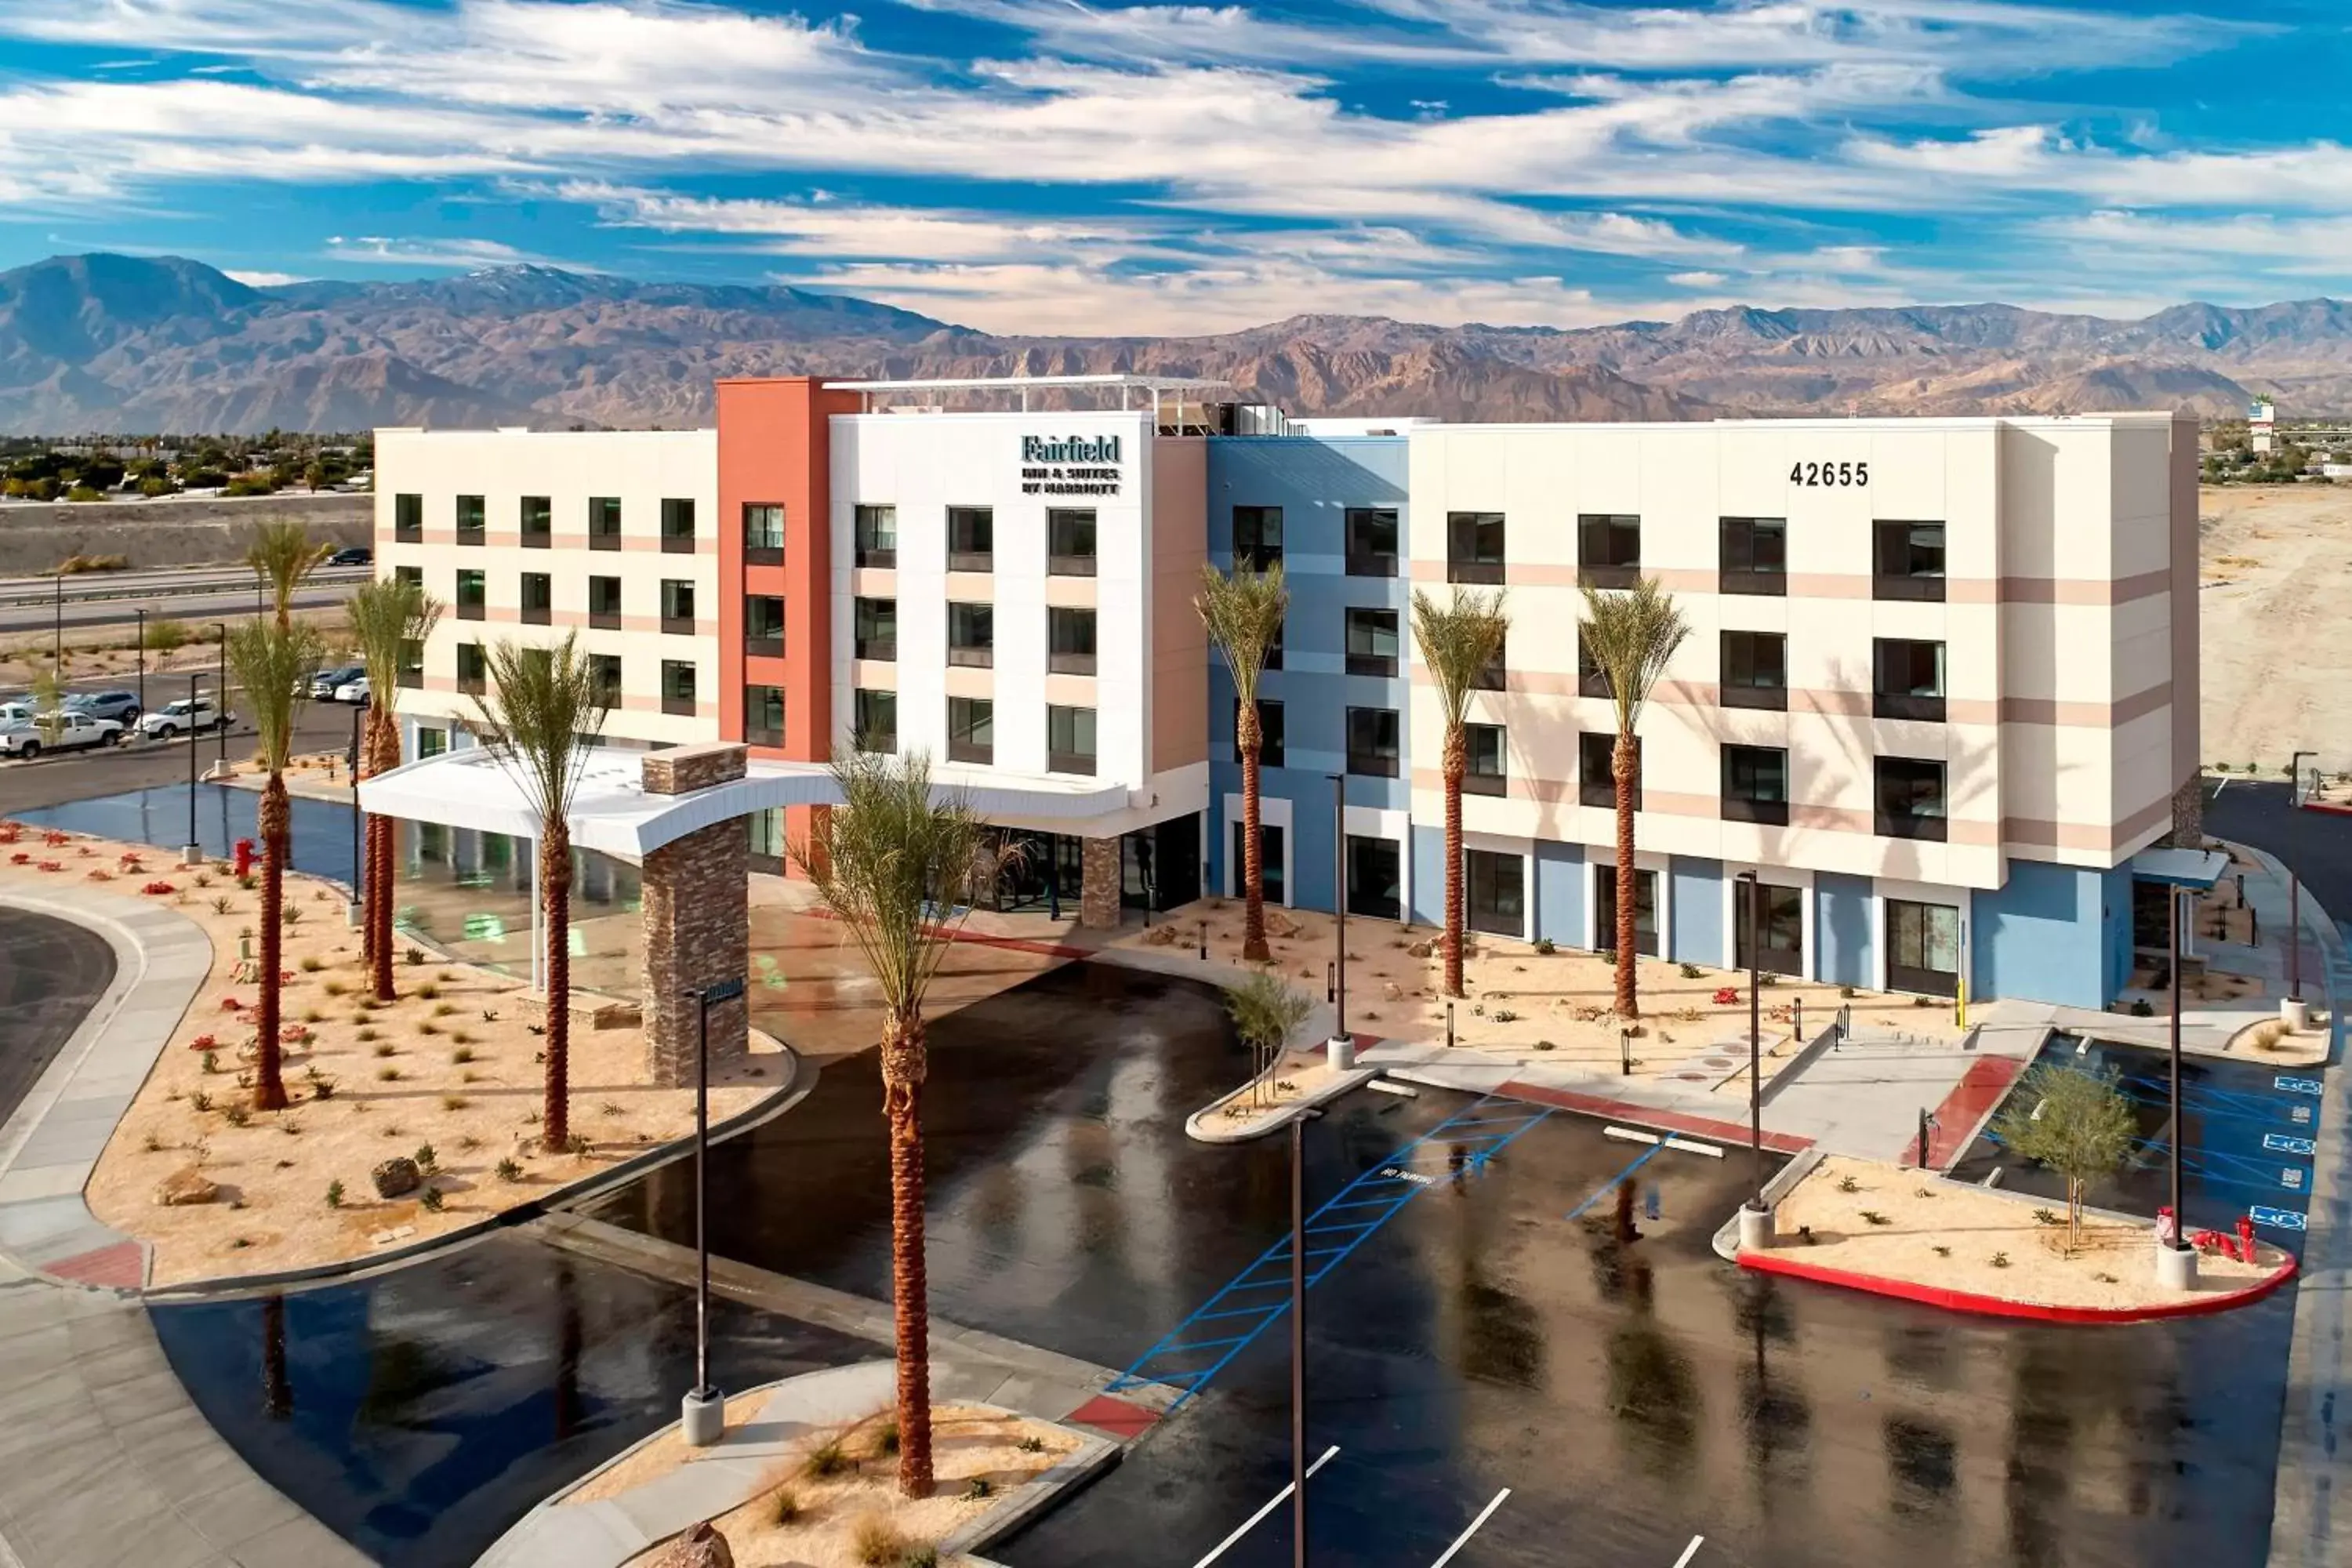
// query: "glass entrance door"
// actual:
[[1784, 929], [1375, 878], [1923, 948], [1604, 911]]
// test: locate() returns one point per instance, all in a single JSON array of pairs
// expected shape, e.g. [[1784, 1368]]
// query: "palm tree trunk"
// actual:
[[555, 848], [384, 850], [1456, 762], [1254, 948], [902, 1080], [268, 1083], [364, 761], [1629, 1002]]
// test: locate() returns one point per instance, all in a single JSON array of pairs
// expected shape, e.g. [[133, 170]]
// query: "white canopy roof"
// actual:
[[2181, 868]]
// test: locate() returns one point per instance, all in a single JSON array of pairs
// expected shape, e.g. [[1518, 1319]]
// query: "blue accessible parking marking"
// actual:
[[2277, 1219], [2297, 1085], [2280, 1145]]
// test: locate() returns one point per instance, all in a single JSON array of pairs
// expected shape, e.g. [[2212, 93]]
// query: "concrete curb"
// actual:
[[1775, 1262], [1032, 1500], [1200, 1127], [1804, 1058], [1727, 1235]]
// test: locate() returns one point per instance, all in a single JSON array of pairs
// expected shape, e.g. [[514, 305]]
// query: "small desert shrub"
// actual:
[[610, 1108], [334, 1195], [429, 991], [1546, 1045], [237, 1115], [2001, 1261], [211, 1061], [1848, 992], [1547, 947], [411, 956], [577, 1144], [885, 1437], [428, 1158], [2043, 1217], [325, 1089], [312, 1015], [783, 1507], [1693, 972], [333, 987], [440, 1009], [428, 1027], [387, 1075], [442, 975], [203, 880], [430, 1199], [200, 1100], [489, 1015], [383, 1048], [368, 1036], [291, 915], [462, 1037], [507, 1171], [2142, 1008], [826, 1458], [462, 1054], [454, 1102], [1848, 1184], [875, 1542], [468, 1142], [311, 964], [1872, 1217], [220, 903], [1943, 1251], [1031, 1445], [152, 1143], [1504, 1015]]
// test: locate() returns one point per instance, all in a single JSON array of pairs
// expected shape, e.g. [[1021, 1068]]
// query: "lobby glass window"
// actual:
[[473, 595], [1487, 751], [874, 629], [971, 538], [763, 715], [1608, 550], [604, 603], [536, 521], [677, 606], [604, 670], [432, 740], [604, 523], [1604, 911], [1069, 641], [1269, 732], [1908, 679], [763, 626], [1911, 800], [766, 831], [1257, 537], [411, 673], [471, 520], [1494, 889], [972, 635], [874, 719], [1596, 758], [1070, 740], [878, 536], [1375, 743], [1755, 555], [412, 575], [677, 686], [1070, 541], [1592, 680], [1923, 948], [1908, 560], [1269, 862], [1755, 670], [1474, 547], [1372, 642], [538, 598], [677, 525], [1755, 785], [763, 533], [971, 729], [473, 673], [407, 519], [1784, 929], [1372, 541], [1375, 878]]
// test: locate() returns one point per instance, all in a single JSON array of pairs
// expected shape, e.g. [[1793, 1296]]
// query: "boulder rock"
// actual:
[[396, 1177], [185, 1188], [700, 1546]]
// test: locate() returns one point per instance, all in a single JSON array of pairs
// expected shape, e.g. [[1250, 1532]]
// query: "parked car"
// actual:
[[122, 707], [182, 717], [15, 712], [327, 682], [353, 691], [64, 731], [357, 555]]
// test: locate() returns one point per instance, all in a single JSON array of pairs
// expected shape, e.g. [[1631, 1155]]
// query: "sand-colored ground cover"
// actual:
[[1993, 1245], [2276, 642], [1299, 1076]]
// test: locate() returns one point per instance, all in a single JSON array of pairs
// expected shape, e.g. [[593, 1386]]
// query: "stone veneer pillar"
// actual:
[[1099, 890], [2188, 815], [697, 918]]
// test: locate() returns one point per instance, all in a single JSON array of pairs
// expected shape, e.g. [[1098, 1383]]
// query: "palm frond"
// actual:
[[273, 663], [1458, 641], [1630, 637], [1243, 613], [282, 553], [539, 717], [386, 613]]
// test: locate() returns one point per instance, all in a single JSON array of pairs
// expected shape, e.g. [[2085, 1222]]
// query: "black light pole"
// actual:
[[192, 853], [1340, 1039], [1755, 1218], [703, 1412], [141, 654], [357, 826], [1299, 1339], [57, 647], [220, 702], [2176, 1260]]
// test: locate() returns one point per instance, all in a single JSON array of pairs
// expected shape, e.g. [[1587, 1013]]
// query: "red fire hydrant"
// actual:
[[2246, 1236], [245, 857]]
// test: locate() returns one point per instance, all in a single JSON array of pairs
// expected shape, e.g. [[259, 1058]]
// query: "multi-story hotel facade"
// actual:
[[1940, 684]]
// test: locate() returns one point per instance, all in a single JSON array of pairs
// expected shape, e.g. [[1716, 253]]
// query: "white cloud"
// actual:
[[1698, 280], [380, 250], [264, 279]]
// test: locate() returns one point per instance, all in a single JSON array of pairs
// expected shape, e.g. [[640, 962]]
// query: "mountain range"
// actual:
[[163, 344]]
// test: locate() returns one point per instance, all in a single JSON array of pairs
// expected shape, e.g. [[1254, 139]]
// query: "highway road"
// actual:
[[185, 593]]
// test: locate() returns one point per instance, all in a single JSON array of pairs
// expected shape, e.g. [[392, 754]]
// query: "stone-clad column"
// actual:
[[697, 918], [1098, 894]]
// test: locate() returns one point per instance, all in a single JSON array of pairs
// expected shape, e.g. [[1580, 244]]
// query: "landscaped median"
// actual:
[[1296, 1084], [1906, 1233]]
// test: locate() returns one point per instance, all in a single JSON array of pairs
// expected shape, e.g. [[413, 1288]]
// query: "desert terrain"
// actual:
[[2276, 573]]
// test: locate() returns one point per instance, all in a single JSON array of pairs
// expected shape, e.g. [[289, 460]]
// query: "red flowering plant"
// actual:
[[158, 889], [1725, 997], [231, 1005], [203, 1043], [52, 838], [21, 857], [53, 865], [100, 874]]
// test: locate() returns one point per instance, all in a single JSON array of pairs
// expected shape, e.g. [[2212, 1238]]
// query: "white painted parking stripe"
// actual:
[[1484, 1515], [1629, 1135], [1252, 1521], [1690, 1551], [1687, 1147]]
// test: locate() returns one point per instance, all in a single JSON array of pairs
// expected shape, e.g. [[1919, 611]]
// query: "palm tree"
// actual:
[[386, 615], [1630, 637], [273, 662], [899, 868], [1458, 643], [282, 553], [1243, 616], [540, 719]]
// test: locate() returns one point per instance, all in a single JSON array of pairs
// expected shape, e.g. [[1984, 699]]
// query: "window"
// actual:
[[1270, 878], [763, 715], [972, 635], [763, 626], [971, 538], [1755, 670], [1372, 540], [1069, 641], [1604, 911], [1496, 675], [604, 603], [1923, 947], [677, 525], [1372, 642], [604, 670], [431, 740], [1374, 744], [407, 519], [470, 519], [1486, 774], [1269, 732], [763, 533], [538, 598], [1596, 756], [1908, 679], [677, 606], [877, 541], [1592, 680], [537, 522], [1495, 888], [1909, 561], [1273, 648], [410, 672], [1257, 537], [1755, 555], [874, 634], [1474, 546], [1070, 541], [1911, 802], [1608, 550], [1784, 929], [604, 523], [971, 729], [473, 597], [874, 718], [1375, 878], [1070, 740], [1755, 785], [472, 673], [677, 686], [412, 575], [766, 830]]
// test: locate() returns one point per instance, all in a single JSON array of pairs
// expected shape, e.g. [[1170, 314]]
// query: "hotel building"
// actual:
[[1940, 685]]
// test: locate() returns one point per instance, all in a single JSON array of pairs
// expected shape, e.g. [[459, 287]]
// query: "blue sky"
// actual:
[[1053, 165]]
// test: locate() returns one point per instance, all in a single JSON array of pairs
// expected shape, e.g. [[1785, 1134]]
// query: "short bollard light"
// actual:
[[1624, 1053]]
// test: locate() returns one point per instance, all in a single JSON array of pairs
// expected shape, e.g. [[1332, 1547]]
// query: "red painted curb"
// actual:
[[1972, 1100], [2327, 806], [1650, 1116], [1995, 1307]]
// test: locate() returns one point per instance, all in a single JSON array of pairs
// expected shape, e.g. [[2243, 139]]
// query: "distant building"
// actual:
[[2262, 424]]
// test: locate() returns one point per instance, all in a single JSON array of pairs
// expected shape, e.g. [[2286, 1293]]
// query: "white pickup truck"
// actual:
[[182, 717], [62, 731]]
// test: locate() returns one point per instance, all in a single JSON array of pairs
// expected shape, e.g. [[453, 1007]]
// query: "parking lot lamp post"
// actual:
[[57, 649], [1755, 1218], [1343, 1047], [220, 700], [703, 1413], [1298, 1338], [358, 818], [140, 652], [2176, 1260], [192, 853]]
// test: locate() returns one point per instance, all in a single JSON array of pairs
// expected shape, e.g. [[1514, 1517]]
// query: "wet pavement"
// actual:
[[51, 971]]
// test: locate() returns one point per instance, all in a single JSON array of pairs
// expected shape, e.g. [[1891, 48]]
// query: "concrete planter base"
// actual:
[[2295, 1014], [1342, 1049], [2176, 1268], [1755, 1228], [702, 1416]]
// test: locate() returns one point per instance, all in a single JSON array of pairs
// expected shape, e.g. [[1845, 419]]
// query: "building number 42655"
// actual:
[[1818, 474]]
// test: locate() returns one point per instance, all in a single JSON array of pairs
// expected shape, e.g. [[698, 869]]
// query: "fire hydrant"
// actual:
[[245, 858], [2246, 1236]]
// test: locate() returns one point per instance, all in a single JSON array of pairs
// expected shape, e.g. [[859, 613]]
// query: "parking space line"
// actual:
[[1606, 1187], [1690, 1551], [1462, 1539], [1252, 1521]]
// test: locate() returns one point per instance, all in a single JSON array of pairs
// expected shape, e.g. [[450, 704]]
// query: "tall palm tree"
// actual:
[[282, 553], [899, 867], [1243, 616], [386, 615], [1630, 637], [1458, 641], [273, 662], [540, 718]]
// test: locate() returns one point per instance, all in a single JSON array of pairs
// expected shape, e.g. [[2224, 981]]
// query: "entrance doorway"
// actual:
[[1604, 911], [1375, 878], [1784, 929], [1269, 849], [1923, 948]]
